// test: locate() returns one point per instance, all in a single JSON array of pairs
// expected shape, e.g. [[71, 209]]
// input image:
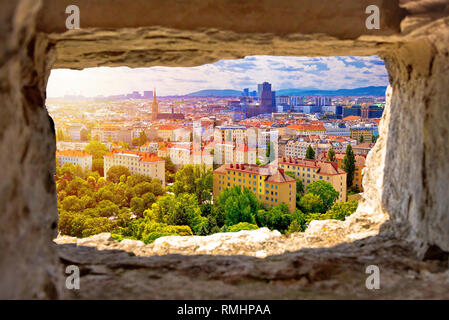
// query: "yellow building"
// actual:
[[367, 133], [137, 162], [270, 185], [313, 170], [359, 165]]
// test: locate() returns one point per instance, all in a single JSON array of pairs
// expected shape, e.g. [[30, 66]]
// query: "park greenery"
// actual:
[[133, 206]]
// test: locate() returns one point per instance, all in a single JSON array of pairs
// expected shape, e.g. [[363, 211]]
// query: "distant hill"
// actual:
[[215, 93], [365, 91]]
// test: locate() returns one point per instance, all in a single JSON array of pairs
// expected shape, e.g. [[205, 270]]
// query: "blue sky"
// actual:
[[327, 73]]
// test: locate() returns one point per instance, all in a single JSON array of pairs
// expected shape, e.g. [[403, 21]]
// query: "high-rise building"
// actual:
[[323, 101], [355, 110], [148, 95], [267, 98]]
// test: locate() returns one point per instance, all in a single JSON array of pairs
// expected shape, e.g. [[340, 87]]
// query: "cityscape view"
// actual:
[[273, 142]]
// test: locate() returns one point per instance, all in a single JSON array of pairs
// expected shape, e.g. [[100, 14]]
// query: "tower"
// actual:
[[154, 107]]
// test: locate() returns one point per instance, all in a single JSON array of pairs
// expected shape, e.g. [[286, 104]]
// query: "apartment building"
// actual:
[[270, 184], [359, 165], [112, 134], [356, 132], [137, 162], [77, 157], [313, 170], [230, 133], [305, 129]]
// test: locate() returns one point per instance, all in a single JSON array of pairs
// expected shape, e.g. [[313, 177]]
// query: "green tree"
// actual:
[[325, 191], [276, 218], [361, 139], [242, 226], [194, 179], [331, 155], [84, 134], [143, 138], [310, 153], [135, 179], [115, 172], [177, 210], [137, 206], [238, 205], [349, 165], [267, 152], [96, 149], [311, 203], [98, 166], [341, 210]]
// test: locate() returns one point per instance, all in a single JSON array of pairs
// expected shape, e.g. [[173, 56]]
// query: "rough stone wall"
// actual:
[[28, 213], [415, 192]]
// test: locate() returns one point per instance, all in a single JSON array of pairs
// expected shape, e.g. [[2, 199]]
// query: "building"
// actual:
[[155, 115], [267, 98], [112, 133], [305, 129], [314, 170], [167, 132], [323, 101], [148, 95], [363, 148], [77, 157], [71, 145], [283, 100], [148, 164], [359, 165], [356, 132], [372, 112], [75, 131], [355, 110], [270, 184], [231, 133]]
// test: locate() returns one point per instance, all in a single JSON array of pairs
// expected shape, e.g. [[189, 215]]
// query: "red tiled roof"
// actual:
[[72, 153], [144, 156]]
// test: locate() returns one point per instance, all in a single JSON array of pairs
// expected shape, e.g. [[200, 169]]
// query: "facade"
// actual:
[[112, 134], [71, 145], [270, 185], [137, 162], [355, 110], [231, 133], [305, 129], [313, 170], [356, 132], [75, 131], [77, 157], [267, 98], [359, 165]]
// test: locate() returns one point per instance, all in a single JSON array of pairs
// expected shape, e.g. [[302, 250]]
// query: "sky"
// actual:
[[325, 73]]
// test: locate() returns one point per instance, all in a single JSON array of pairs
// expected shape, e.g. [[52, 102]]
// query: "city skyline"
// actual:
[[326, 73]]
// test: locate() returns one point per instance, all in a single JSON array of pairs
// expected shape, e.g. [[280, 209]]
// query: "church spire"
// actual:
[[154, 107]]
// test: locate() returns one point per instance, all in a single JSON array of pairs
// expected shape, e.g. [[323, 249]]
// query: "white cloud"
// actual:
[[282, 72]]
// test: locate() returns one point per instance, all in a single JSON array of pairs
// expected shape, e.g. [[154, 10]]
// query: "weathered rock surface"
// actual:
[[257, 243], [28, 212], [321, 273]]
